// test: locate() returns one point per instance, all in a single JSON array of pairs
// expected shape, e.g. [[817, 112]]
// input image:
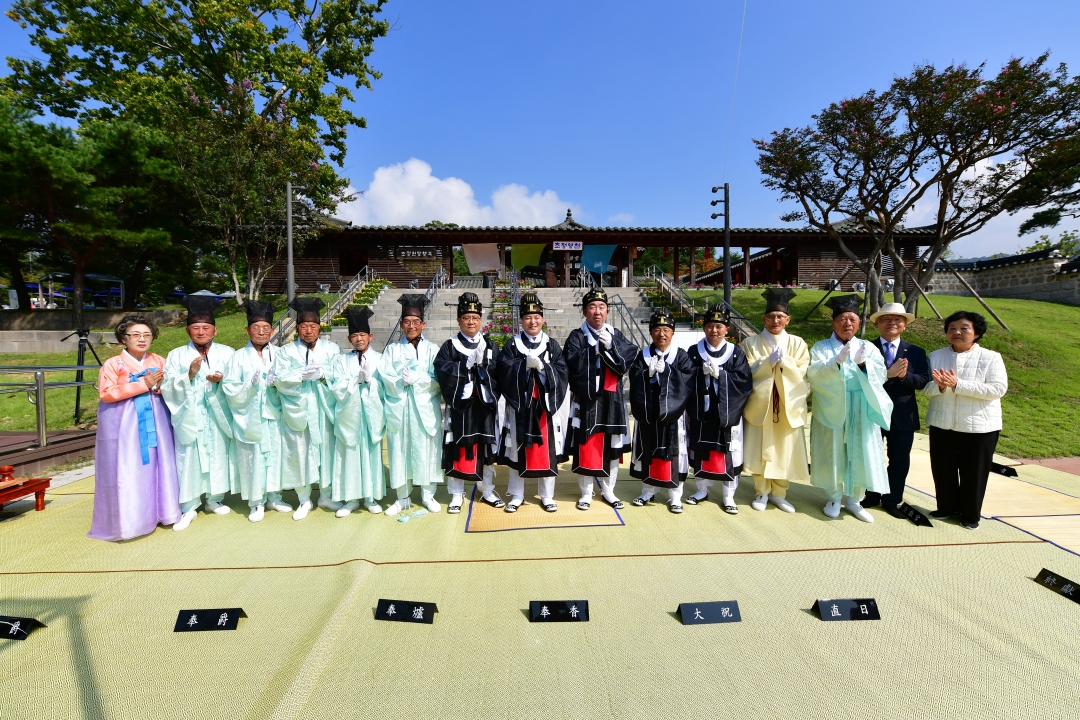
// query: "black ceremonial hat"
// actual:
[[413, 305], [777, 299], [531, 305], [358, 318], [259, 311], [717, 314], [469, 303], [307, 309], [845, 303], [200, 309], [662, 318], [596, 294]]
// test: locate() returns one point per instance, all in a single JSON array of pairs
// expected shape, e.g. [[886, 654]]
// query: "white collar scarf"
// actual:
[[524, 349], [726, 349], [459, 344], [590, 334]]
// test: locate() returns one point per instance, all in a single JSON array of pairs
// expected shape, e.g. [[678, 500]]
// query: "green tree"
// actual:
[[952, 138], [1068, 244], [1053, 185]]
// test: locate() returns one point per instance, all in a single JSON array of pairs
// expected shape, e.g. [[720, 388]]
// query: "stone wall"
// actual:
[[61, 319], [1038, 280]]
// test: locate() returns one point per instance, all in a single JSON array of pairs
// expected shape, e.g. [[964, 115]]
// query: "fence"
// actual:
[[35, 391]]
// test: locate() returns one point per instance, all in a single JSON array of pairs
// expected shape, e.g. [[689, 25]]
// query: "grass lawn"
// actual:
[[1041, 410]]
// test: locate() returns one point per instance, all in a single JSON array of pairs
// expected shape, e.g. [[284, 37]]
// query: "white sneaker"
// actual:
[[760, 502], [373, 507], [302, 511], [782, 503], [832, 509], [185, 520], [393, 509], [432, 505], [858, 511], [347, 508], [256, 514], [217, 508], [327, 504], [279, 506]]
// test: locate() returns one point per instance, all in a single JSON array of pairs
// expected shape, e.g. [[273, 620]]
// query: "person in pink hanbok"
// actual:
[[135, 483]]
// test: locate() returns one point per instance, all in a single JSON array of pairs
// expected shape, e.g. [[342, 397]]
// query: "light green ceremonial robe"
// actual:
[[413, 414], [256, 415], [850, 408], [359, 427], [202, 423], [307, 412]]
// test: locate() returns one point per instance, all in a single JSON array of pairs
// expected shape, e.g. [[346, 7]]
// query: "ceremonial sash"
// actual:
[[144, 410]]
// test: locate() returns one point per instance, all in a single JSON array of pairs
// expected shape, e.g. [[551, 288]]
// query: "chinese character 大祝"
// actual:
[[390, 610], [573, 611], [418, 612], [835, 611], [725, 612], [222, 619], [1050, 580], [544, 611], [1067, 589], [697, 614], [193, 621]]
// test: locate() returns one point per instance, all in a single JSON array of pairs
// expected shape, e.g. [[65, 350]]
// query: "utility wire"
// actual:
[[735, 87]]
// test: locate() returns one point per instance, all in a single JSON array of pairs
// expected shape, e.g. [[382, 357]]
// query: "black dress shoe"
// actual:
[[871, 500], [971, 525], [691, 500], [944, 514]]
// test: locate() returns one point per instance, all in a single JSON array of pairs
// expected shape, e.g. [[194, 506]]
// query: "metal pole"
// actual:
[[83, 342], [39, 401], [289, 276], [727, 247]]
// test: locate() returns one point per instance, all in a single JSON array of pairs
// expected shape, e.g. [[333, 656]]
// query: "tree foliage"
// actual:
[[1052, 185], [951, 138]]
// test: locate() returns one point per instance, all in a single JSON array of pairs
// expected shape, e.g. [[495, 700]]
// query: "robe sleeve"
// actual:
[[556, 376], [577, 354], [827, 380], [872, 382], [183, 397], [680, 376], [640, 397], [393, 389], [621, 355], [242, 398], [110, 387], [287, 371], [455, 378], [739, 385], [512, 376], [371, 397]]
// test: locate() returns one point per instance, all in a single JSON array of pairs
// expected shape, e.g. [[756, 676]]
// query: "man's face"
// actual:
[[596, 314], [309, 331], [260, 332], [532, 324], [661, 337], [469, 324], [845, 325], [776, 321], [891, 326], [412, 326], [201, 333], [715, 332], [360, 341]]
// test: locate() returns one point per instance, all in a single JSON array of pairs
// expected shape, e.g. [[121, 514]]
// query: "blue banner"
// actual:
[[596, 258]]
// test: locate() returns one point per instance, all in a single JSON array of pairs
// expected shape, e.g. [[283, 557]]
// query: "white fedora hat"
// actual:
[[893, 308]]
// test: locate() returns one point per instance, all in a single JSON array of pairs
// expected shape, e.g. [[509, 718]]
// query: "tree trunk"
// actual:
[[18, 282], [137, 280]]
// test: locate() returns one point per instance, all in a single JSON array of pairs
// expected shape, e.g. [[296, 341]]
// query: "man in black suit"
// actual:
[[907, 374]]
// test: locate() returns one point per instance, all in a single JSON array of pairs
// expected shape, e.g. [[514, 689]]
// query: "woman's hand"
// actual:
[[944, 379], [153, 379]]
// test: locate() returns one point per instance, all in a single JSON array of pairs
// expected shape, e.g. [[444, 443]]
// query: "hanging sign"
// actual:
[[566, 245]]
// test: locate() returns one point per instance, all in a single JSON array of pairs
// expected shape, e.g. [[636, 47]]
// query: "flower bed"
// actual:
[[367, 295]]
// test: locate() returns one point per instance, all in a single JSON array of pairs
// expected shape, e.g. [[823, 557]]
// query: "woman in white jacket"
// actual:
[[964, 417]]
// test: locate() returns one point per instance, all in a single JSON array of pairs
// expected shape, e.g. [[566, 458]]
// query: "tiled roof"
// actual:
[[987, 263]]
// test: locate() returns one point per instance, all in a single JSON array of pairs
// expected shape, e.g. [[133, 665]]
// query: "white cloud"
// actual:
[[408, 194], [620, 219]]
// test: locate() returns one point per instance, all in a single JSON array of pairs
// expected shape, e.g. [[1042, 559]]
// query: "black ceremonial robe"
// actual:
[[468, 422], [596, 380], [716, 406], [657, 403], [532, 399]]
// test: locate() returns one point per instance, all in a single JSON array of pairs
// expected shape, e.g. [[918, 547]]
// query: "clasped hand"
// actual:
[[153, 379], [409, 376], [898, 369], [311, 372], [605, 337], [533, 363], [944, 379]]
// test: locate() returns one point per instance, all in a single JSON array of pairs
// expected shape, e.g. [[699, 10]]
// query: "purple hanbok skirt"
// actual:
[[131, 499]]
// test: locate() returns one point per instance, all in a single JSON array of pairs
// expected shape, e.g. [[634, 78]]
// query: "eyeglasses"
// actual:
[[411, 323], [775, 317], [140, 336]]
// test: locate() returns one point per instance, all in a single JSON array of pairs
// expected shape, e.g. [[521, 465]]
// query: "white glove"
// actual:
[[656, 365], [605, 337], [255, 380], [533, 363], [409, 376], [361, 377], [478, 355], [843, 355], [470, 362], [777, 355], [711, 368], [270, 378], [860, 355], [311, 372]]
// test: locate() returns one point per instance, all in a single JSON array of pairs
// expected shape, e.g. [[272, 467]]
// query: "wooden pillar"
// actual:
[[630, 265], [448, 253], [693, 266], [746, 264], [675, 265]]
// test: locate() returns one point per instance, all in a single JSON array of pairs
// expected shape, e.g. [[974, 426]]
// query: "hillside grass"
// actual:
[[1041, 410]]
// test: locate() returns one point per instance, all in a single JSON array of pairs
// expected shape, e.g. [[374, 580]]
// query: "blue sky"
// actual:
[[510, 112]]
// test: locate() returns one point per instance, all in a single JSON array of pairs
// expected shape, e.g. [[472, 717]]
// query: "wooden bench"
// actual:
[[12, 490]]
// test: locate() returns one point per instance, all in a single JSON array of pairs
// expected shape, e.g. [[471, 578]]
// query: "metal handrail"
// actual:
[[35, 391], [286, 324], [629, 322], [741, 324], [585, 279], [666, 283], [438, 282]]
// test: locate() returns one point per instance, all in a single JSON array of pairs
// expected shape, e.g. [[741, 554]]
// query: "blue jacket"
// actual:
[[905, 414]]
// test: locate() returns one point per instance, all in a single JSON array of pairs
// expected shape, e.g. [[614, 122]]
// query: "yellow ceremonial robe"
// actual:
[[775, 445]]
